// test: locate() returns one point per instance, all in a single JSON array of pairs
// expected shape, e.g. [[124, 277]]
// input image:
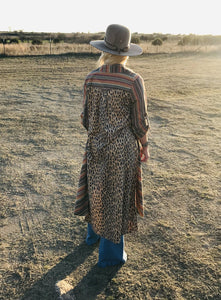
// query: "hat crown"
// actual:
[[117, 41], [117, 37]]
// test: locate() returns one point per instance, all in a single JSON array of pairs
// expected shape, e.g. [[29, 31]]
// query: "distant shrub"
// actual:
[[61, 37], [97, 36], [56, 40], [186, 40], [180, 43], [32, 48], [4, 41], [194, 40], [146, 37], [36, 42], [14, 41], [135, 39], [84, 38], [157, 42]]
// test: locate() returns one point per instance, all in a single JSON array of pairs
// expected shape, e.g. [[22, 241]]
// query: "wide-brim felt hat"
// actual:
[[117, 41]]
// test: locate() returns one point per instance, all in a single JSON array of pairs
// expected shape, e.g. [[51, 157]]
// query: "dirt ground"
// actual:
[[176, 252]]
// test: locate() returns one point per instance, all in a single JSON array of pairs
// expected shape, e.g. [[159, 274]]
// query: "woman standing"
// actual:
[[115, 117]]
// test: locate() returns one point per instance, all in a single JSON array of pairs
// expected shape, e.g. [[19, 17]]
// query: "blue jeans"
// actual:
[[110, 254]]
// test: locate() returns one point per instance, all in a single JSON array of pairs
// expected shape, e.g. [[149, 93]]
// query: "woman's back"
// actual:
[[114, 114], [111, 93], [113, 98], [109, 99]]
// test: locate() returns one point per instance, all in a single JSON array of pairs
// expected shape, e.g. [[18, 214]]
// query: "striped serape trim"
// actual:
[[82, 199], [138, 194]]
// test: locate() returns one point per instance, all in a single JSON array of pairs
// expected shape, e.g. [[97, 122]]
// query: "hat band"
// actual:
[[115, 48]]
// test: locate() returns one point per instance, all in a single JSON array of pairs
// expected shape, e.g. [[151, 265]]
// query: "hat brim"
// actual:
[[134, 49]]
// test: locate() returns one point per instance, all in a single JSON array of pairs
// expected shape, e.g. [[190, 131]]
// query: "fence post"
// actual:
[[3, 43], [50, 43]]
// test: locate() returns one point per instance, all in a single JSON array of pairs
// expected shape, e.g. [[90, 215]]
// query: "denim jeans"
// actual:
[[110, 254]]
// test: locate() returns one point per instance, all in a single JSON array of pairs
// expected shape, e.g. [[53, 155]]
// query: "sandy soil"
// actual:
[[176, 253]]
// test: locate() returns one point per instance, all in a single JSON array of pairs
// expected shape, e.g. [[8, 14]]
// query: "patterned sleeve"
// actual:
[[84, 114], [140, 122]]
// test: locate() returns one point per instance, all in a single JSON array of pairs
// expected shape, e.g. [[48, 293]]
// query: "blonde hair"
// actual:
[[110, 59]]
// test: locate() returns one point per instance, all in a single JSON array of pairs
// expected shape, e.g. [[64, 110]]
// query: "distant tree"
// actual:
[[157, 42], [36, 42]]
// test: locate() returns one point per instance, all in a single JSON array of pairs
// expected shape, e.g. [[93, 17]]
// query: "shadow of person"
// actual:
[[44, 288], [96, 281]]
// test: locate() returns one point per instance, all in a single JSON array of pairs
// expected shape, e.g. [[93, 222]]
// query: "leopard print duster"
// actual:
[[114, 114]]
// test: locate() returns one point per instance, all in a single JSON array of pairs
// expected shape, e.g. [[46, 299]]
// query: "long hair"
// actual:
[[110, 59]]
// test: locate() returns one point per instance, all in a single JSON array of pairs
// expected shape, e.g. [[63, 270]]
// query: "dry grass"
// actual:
[[44, 49], [167, 47], [176, 253]]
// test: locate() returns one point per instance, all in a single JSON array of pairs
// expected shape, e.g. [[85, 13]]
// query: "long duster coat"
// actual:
[[114, 114]]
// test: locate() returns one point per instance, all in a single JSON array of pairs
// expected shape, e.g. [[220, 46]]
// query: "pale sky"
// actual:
[[143, 16]]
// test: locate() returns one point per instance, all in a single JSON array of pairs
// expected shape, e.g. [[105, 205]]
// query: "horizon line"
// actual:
[[99, 32]]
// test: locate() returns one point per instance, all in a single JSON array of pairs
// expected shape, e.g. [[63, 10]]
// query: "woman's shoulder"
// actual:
[[91, 73], [131, 73]]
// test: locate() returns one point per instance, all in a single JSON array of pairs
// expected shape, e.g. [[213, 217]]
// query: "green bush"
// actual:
[[157, 42]]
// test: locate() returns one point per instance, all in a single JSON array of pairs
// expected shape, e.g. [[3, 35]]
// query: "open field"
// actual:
[[176, 253]]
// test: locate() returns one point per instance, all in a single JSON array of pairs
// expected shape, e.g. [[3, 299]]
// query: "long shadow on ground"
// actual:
[[96, 281], [44, 288], [88, 288]]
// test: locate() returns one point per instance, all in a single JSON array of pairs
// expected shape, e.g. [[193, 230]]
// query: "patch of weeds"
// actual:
[[6, 159], [201, 194]]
